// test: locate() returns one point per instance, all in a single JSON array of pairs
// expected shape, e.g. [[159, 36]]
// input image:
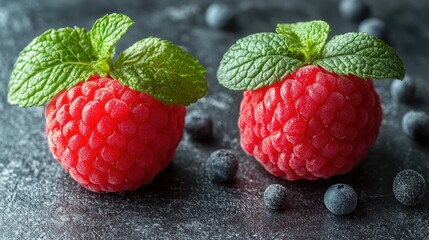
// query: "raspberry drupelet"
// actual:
[[313, 124], [110, 137]]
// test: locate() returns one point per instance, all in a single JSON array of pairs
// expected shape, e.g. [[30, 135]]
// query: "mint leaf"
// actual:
[[255, 61], [105, 33], [163, 70], [54, 61], [305, 38], [362, 55]]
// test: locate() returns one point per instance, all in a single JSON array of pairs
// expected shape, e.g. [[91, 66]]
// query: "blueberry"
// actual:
[[199, 125], [375, 27], [354, 10], [220, 16], [416, 125], [403, 91], [340, 199], [275, 196], [409, 187], [222, 166]]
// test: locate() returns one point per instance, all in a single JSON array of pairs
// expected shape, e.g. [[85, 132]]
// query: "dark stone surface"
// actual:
[[38, 199]]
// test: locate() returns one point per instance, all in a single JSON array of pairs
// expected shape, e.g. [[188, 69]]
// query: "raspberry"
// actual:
[[111, 138], [313, 124]]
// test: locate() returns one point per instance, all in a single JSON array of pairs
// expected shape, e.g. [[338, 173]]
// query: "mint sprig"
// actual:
[[261, 59], [305, 38], [105, 33], [59, 59]]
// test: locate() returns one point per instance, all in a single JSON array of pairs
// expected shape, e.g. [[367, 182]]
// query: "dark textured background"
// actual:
[[38, 199]]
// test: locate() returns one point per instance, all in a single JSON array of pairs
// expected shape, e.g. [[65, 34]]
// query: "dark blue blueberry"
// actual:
[[340, 199], [275, 197], [220, 16], [403, 91], [409, 187], [222, 166], [375, 27], [199, 125], [416, 125], [354, 10]]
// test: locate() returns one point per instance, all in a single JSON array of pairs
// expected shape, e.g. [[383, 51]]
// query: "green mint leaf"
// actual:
[[105, 33], [255, 61], [54, 61], [163, 70], [305, 38], [362, 55]]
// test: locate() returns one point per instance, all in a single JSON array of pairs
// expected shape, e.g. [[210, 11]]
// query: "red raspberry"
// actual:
[[313, 124], [112, 138]]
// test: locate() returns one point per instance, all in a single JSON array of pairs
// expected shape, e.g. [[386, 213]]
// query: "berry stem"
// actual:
[[103, 66]]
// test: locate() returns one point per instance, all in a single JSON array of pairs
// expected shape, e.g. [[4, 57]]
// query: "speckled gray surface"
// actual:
[[38, 200]]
